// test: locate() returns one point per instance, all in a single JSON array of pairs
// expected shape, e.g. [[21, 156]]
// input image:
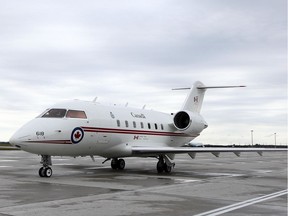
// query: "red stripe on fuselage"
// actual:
[[133, 132], [51, 141]]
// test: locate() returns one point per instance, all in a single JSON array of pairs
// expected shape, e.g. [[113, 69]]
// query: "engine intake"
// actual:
[[182, 120], [189, 122]]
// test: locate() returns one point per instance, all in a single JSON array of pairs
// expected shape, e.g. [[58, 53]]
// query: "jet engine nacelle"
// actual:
[[189, 122]]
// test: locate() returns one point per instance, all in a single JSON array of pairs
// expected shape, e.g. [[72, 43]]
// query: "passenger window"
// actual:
[[76, 114], [126, 123], [162, 127], [54, 113], [156, 126], [118, 123], [142, 125], [149, 126], [134, 124]]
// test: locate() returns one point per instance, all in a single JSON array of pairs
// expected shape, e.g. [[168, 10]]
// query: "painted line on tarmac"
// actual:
[[243, 204]]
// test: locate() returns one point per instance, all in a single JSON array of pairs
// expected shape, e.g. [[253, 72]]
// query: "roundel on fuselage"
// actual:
[[77, 135]]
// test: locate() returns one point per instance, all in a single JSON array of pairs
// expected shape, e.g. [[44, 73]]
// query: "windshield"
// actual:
[[76, 114], [54, 113], [61, 113]]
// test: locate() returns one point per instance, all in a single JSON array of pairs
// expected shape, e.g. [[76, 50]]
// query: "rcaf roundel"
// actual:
[[77, 135]]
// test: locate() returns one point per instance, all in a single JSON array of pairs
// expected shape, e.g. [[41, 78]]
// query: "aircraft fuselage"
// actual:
[[80, 128]]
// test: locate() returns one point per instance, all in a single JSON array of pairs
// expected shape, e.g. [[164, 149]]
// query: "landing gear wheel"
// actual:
[[41, 172], [114, 163], [121, 164], [160, 166], [163, 166], [45, 172], [167, 168], [117, 164], [48, 172]]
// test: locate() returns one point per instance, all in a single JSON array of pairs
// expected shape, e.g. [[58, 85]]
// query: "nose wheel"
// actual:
[[45, 171]]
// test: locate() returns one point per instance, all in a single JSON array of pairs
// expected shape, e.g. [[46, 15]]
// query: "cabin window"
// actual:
[[126, 123], [134, 124], [54, 113], [162, 127], [76, 114], [149, 126], [156, 126], [141, 124], [118, 123]]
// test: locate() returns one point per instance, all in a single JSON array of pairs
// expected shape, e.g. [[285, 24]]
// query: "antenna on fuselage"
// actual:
[[95, 99]]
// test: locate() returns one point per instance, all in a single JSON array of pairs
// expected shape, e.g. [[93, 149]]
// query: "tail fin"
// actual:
[[194, 99]]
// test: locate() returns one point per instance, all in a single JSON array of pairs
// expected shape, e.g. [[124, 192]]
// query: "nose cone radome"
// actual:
[[21, 135], [16, 140], [13, 141]]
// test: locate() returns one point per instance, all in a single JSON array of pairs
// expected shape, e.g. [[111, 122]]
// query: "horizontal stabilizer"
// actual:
[[211, 87]]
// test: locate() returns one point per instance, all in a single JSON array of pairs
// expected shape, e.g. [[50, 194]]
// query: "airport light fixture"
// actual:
[[252, 137]]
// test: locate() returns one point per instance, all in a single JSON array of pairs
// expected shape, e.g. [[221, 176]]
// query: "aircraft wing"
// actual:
[[154, 151]]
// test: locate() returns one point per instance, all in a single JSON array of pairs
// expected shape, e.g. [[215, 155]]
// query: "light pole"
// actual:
[[252, 137], [275, 139]]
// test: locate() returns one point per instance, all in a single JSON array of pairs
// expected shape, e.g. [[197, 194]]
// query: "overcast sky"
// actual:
[[137, 51]]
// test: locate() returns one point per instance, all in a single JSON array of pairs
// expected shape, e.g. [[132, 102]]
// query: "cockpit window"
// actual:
[[54, 113], [76, 114]]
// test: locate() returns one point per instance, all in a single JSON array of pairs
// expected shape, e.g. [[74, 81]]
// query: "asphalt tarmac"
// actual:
[[228, 185]]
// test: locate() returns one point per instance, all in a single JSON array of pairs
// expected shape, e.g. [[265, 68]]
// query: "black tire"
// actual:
[[114, 164], [48, 172], [41, 172], [121, 164], [160, 166], [167, 168]]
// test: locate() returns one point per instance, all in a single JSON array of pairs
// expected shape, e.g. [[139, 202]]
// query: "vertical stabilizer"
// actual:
[[194, 99]]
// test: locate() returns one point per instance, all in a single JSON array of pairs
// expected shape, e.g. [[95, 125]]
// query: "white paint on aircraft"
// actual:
[[82, 128]]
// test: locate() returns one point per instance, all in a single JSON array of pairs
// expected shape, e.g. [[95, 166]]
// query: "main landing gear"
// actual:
[[117, 164], [45, 170], [164, 164]]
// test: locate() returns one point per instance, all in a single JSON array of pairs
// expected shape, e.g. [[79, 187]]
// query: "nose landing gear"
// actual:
[[45, 171]]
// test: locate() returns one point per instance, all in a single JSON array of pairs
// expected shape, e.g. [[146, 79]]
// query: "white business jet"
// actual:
[[81, 128]]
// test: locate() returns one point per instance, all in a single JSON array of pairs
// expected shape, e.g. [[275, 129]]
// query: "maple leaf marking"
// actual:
[[77, 135]]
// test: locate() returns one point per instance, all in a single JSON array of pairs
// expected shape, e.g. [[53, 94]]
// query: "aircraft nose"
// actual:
[[18, 138], [12, 141], [15, 141]]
